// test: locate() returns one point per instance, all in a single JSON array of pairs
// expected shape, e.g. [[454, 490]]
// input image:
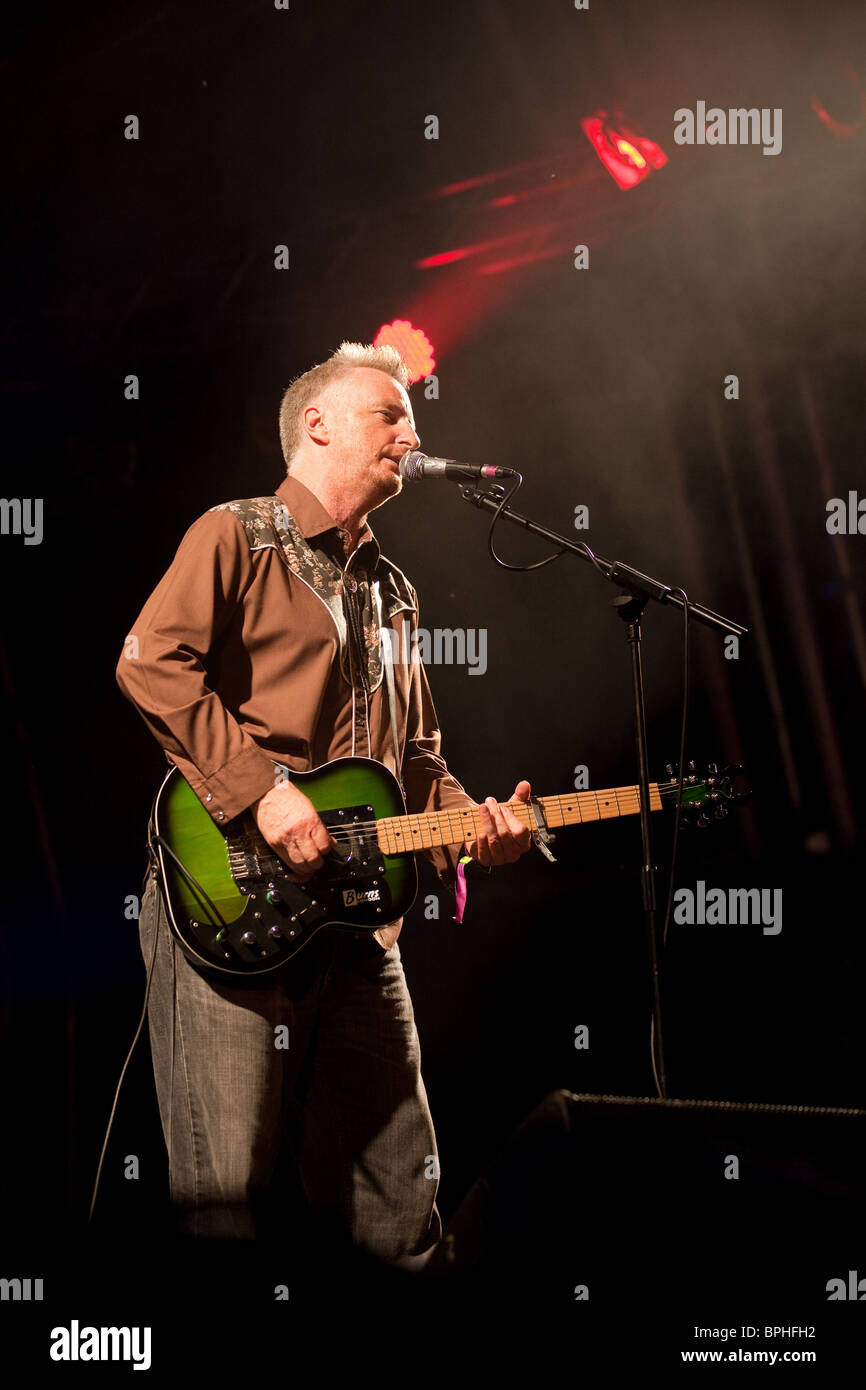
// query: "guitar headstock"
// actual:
[[707, 796]]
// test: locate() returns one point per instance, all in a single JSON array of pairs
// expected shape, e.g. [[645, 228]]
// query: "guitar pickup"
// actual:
[[357, 850]]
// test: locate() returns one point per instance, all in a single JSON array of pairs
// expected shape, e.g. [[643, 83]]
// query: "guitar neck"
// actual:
[[430, 829]]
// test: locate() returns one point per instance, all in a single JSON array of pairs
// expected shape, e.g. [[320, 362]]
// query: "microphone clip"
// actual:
[[470, 493]]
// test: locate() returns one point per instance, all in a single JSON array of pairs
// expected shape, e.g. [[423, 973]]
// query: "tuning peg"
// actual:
[[712, 769], [721, 812], [702, 821], [691, 764], [671, 770]]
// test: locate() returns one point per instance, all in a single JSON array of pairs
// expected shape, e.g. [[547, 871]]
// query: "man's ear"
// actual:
[[315, 424]]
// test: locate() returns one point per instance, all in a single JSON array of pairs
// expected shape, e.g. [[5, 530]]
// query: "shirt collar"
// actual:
[[312, 518]]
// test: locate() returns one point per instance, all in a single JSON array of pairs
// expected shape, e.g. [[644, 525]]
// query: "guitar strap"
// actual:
[[388, 663]]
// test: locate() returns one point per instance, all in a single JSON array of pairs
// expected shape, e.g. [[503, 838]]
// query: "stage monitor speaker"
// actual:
[[616, 1193]]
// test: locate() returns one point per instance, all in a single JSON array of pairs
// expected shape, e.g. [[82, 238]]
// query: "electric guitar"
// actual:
[[233, 906]]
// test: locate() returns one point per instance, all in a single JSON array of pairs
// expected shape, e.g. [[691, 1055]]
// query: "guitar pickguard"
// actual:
[[277, 915]]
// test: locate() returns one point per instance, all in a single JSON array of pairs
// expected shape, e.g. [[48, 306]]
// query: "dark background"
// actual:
[[605, 387]]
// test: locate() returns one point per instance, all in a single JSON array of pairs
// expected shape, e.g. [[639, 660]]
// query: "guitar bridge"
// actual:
[[250, 856]]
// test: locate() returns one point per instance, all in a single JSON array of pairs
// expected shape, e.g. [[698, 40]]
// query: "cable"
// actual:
[[181, 867], [522, 569], [124, 1069]]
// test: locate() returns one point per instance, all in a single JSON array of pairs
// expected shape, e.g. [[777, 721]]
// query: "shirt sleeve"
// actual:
[[429, 785], [163, 669]]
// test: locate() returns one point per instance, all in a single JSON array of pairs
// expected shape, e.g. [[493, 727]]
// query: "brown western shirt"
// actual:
[[259, 650]]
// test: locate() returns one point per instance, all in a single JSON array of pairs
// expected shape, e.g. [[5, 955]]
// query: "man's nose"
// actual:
[[408, 437]]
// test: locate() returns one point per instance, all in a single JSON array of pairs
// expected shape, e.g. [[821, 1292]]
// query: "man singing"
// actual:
[[259, 655]]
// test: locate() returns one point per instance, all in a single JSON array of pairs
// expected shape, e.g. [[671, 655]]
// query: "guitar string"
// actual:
[[433, 820], [584, 802]]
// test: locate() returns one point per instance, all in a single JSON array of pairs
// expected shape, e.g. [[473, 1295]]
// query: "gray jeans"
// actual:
[[345, 1099]]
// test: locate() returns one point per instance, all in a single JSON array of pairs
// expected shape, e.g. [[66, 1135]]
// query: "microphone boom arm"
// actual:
[[623, 576]]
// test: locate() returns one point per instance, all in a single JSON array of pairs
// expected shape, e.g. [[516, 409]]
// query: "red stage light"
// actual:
[[445, 257], [841, 129], [627, 156], [412, 344]]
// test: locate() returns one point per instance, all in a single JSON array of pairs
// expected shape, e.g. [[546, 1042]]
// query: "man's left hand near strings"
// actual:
[[501, 838]]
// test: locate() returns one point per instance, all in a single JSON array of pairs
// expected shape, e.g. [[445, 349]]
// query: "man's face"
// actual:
[[370, 427]]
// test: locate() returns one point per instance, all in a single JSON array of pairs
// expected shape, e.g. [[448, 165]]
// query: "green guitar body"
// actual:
[[230, 901]]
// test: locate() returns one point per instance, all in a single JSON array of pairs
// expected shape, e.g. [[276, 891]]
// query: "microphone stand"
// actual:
[[636, 589]]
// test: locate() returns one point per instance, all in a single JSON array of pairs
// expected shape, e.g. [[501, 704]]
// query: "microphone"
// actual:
[[414, 466]]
